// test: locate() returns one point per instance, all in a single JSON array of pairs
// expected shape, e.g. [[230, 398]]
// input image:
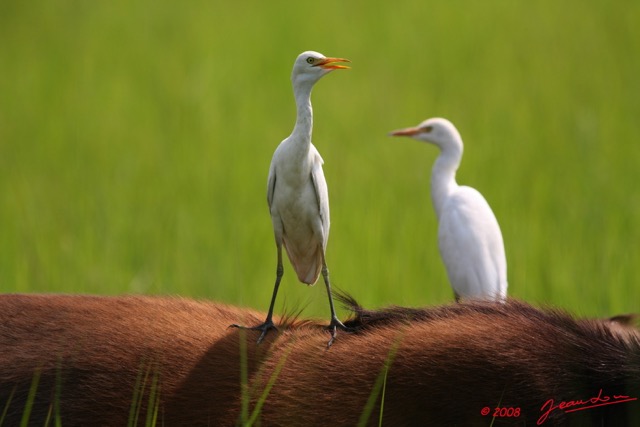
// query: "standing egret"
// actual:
[[469, 236], [297, 191]]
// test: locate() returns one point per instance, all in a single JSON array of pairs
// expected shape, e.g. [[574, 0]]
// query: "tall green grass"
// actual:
[[135, 140], [380, 386], [146, 396], [24, 422]]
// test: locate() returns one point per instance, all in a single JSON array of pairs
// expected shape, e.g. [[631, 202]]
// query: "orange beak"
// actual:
[[406, 132], [328, 64]]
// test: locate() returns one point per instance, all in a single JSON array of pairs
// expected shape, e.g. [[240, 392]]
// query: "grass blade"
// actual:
[[384, 389], [154, 401], [381, 381], [6, 406], [56, 398], [267, 389], [244, 369], [24, 422], [138, 394]]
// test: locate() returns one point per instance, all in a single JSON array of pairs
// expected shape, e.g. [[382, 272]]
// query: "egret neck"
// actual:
[[443, 175], [304, 116]]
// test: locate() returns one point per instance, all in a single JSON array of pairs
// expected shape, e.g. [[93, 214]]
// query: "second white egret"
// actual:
[[469, 237]]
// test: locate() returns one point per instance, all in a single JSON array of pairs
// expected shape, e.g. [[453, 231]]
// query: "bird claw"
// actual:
[[265, 327], [333, 327]]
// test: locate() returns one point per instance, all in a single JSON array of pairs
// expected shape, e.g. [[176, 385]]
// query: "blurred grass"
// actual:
[[135, 140]]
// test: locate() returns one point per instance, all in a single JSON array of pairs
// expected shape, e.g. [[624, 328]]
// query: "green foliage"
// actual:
[[380, 385], [264, 393], [146, 396], [24, 422], [135, 140], [6, 406]]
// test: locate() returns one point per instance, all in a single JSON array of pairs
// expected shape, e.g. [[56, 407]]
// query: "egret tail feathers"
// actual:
[[307, 265]]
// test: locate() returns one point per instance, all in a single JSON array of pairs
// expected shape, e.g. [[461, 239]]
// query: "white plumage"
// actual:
[[298, 201], [469, 236], [297, 191]]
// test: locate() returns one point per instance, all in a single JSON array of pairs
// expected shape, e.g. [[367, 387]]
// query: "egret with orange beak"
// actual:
[[297, 191], [469, 236]]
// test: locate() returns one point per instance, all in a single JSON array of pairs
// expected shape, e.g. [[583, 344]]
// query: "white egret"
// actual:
[[469, 236], [297, 191]]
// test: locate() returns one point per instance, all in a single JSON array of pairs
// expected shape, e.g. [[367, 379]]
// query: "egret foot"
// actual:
[[333, 327], [265, 327]]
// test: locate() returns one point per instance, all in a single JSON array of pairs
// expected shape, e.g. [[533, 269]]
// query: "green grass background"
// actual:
[[135, 140]]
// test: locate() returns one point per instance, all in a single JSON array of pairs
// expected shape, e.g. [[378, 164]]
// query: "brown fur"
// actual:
[[451, 361]]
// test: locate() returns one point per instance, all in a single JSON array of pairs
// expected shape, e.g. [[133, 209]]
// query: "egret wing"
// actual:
[[471, 245], [322, 195], [271, 184]]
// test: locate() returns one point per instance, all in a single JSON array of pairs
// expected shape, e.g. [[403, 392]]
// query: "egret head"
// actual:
[[438, 131], [310, 66]]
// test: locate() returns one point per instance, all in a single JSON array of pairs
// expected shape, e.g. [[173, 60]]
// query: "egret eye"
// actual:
[[427, 129], [311, 60]]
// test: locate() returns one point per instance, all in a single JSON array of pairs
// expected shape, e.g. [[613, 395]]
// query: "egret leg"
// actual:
[[335, 322], [268, 323]]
